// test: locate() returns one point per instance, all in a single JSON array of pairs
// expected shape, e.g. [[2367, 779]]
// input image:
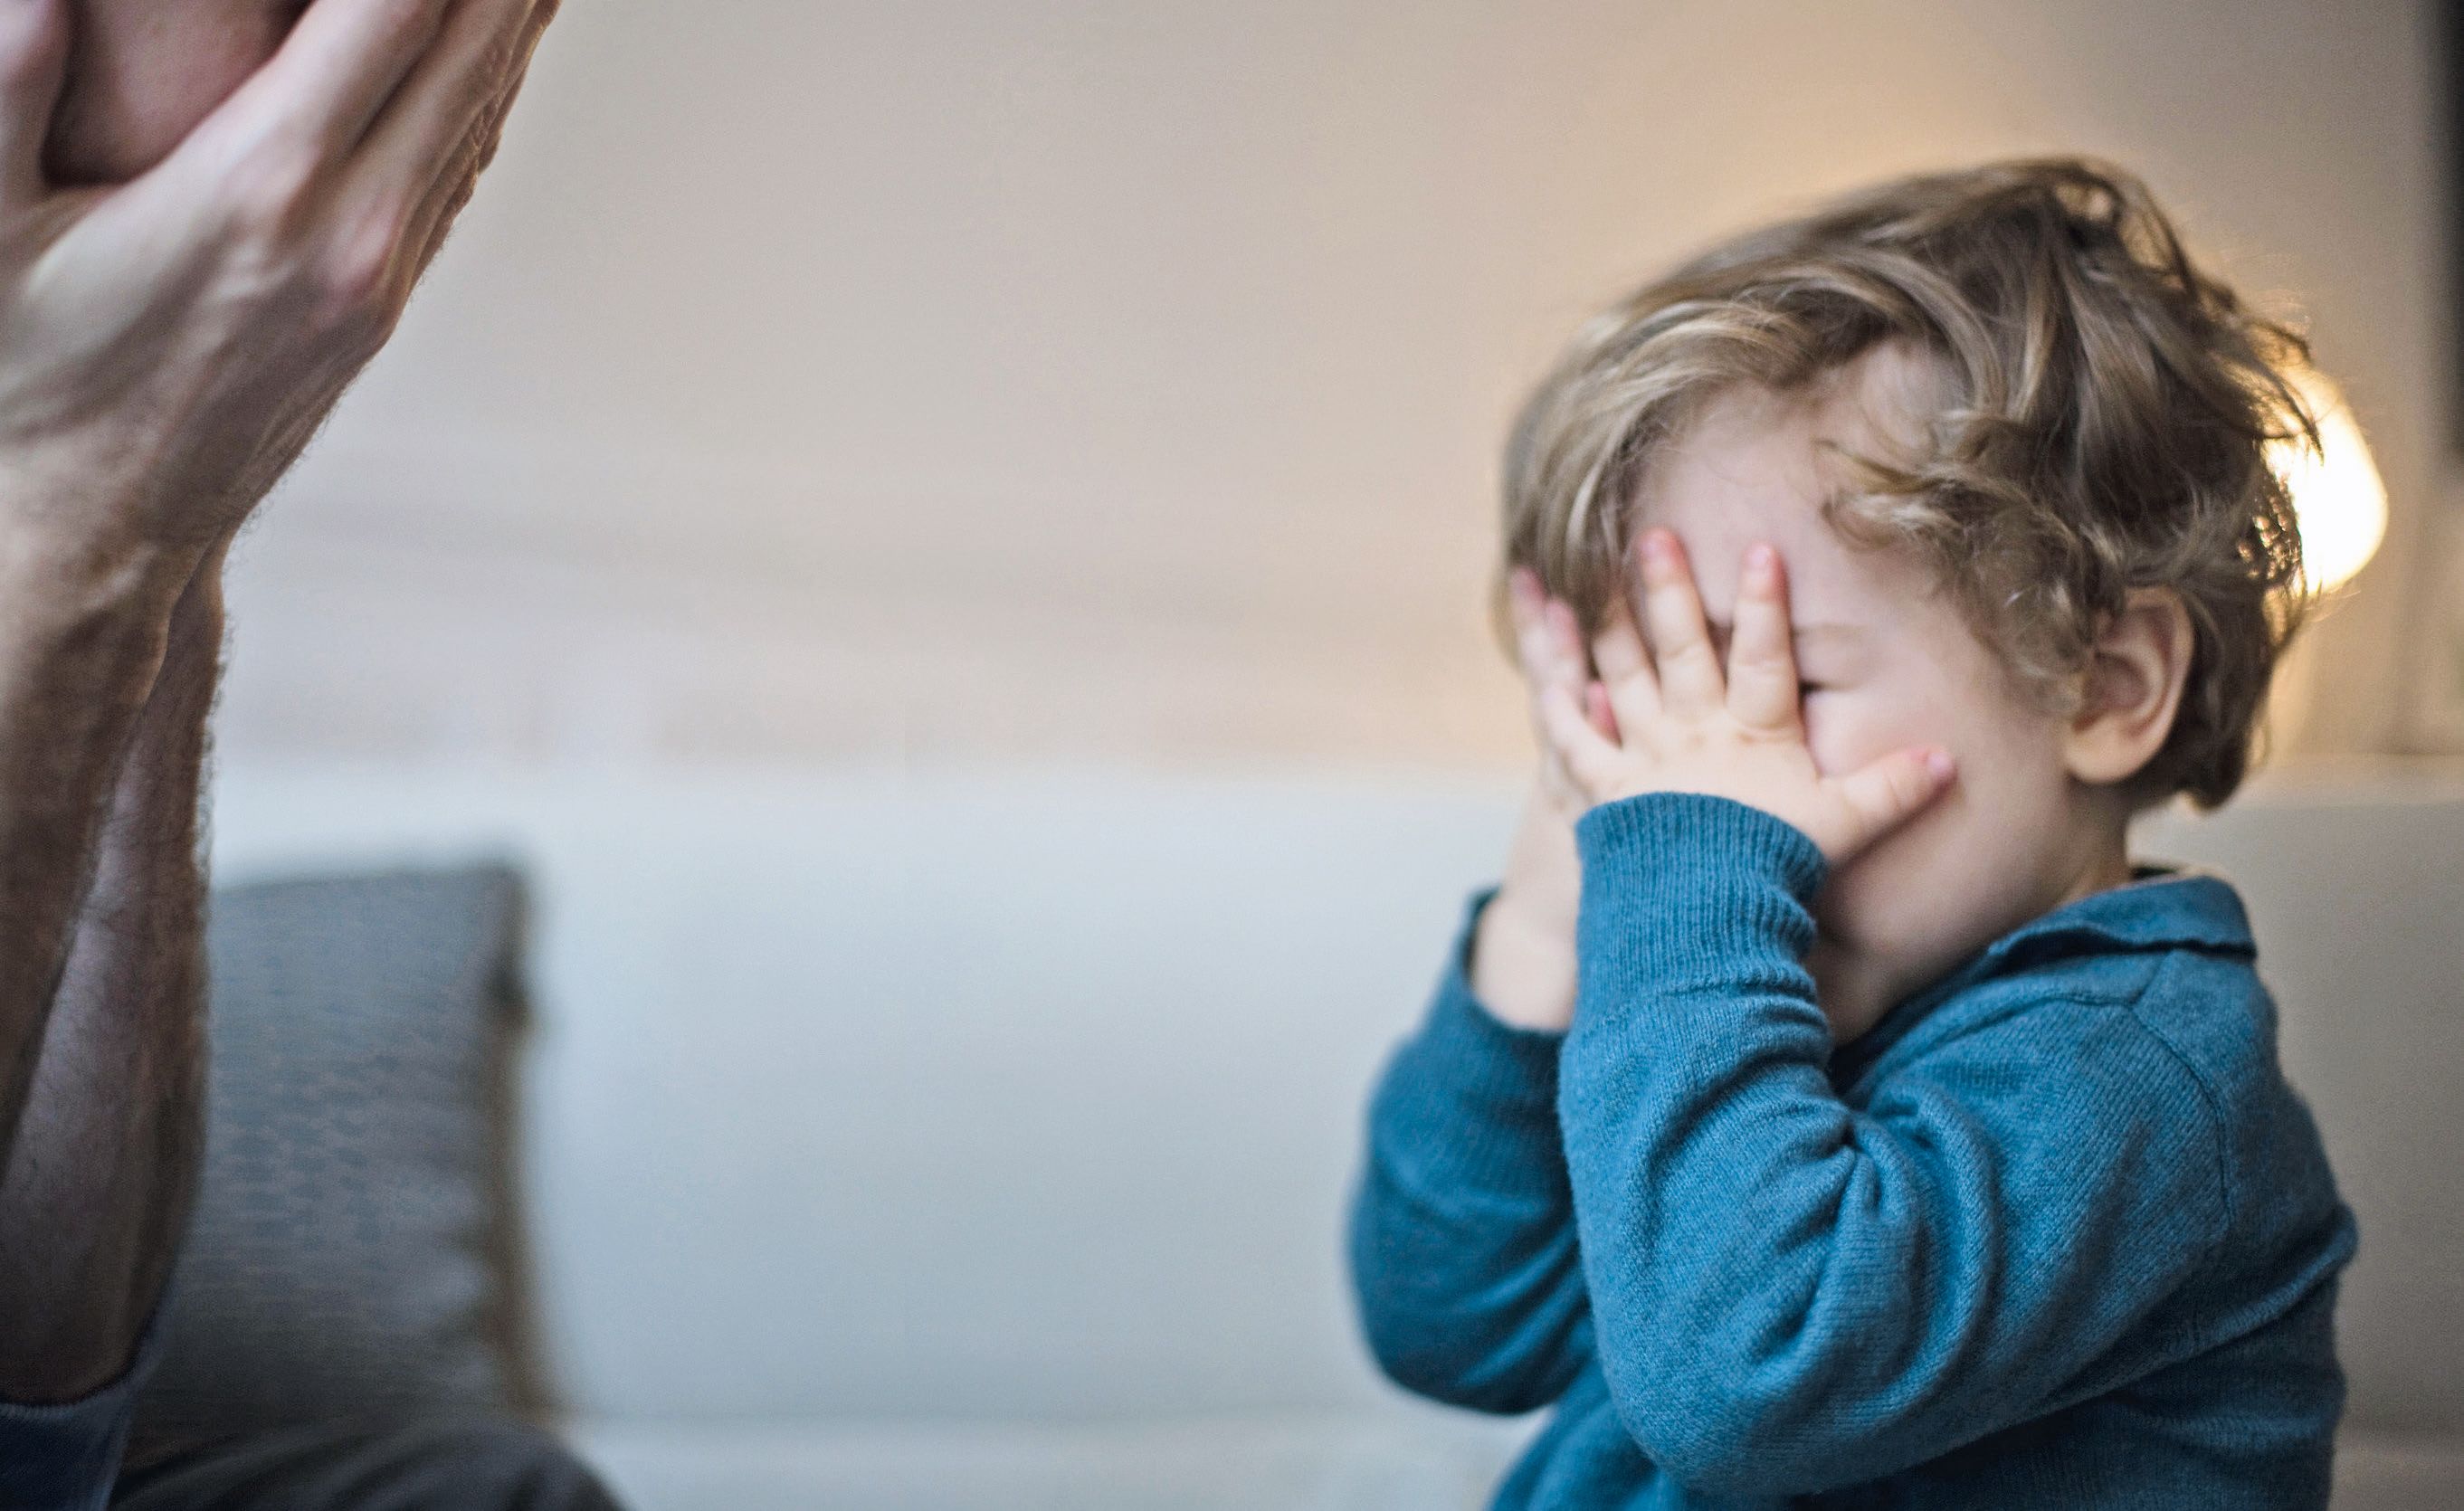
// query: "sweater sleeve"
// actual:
[[1463, 1229], [1791, 1295], [66, 1456]]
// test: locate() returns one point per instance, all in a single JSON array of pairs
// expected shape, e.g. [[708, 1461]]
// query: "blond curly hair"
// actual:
[[2107, 409]]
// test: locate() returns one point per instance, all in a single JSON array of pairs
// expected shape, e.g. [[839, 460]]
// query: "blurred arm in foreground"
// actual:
[[210, 218]]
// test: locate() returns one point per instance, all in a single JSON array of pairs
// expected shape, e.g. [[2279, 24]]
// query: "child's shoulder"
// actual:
[[2138, 1011], [2133, 1020], [2163, 971]]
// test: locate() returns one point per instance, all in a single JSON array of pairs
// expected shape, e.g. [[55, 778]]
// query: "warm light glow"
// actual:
[[2337, 493]]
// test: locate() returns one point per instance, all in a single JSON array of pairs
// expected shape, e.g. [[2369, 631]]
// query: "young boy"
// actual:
[[1873, 1135]]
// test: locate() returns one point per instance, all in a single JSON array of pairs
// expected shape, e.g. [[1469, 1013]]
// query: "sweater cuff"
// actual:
[[1680, 887], [67, 1455]]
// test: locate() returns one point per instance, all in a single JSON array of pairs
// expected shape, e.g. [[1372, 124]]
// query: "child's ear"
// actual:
[[2131, 688]]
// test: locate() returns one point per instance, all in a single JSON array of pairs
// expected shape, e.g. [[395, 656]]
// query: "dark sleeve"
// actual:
[[1463, 1230], [65, 1457], [1789, 1294]]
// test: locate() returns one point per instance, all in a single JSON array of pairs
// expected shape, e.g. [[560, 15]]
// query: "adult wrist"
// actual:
[[62, 577]]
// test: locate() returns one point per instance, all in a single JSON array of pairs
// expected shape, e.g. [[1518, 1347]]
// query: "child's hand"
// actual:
[[1687, 728], [1523, 957], [1549, 641]]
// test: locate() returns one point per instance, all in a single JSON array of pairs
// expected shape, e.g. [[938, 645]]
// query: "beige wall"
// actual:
[[1062, 379]]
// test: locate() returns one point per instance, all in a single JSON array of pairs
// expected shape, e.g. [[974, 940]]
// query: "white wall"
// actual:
[[1122, 380]]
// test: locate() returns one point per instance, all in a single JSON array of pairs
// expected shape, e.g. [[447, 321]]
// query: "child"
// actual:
[[1874, 1134]]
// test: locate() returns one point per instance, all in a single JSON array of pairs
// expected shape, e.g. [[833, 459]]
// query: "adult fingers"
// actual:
[[342, 64], [452, 189], [1762, 656], [1587, 760], [1886, 794], [33, 64], [1633, 690], [1681, 641], [441, 128], [435, 219], [412, 175]]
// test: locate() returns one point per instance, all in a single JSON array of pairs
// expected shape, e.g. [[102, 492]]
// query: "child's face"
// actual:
[[1886, 662]]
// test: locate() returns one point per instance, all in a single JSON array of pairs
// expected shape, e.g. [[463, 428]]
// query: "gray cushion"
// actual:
[[355, 1248]]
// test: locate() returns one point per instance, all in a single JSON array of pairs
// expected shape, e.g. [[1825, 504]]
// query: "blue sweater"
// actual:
[[2055, 1233]]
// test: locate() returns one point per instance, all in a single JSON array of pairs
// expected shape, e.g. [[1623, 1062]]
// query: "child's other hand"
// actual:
[[1549, 641], [1523, 956], [1688, 727]]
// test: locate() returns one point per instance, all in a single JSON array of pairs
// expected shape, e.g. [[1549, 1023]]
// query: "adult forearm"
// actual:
[[81, 639], [167, 345], [95, 1193]]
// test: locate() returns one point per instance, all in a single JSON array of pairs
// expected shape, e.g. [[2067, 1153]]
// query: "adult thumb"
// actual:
[[34, 66], [1886, 794]]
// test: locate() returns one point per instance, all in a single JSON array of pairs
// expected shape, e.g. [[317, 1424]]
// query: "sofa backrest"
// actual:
[[883, 1095]]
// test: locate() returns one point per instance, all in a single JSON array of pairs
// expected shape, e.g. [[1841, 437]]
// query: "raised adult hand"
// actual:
[[167, 345]]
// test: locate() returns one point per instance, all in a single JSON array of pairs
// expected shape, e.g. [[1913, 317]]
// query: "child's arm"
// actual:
[[1463, 1230], [1787, 1294], [1462, 1238], [1522, 946]]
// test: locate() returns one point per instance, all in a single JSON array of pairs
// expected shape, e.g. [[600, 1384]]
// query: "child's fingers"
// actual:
[[1602, 714], [1626, 671], [1565, 635], [1762, 658], [1540, 654], [1680, 643], [1552, 647], [1559, 784], [1524, 600], [1886, 794], [1588, 759]]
